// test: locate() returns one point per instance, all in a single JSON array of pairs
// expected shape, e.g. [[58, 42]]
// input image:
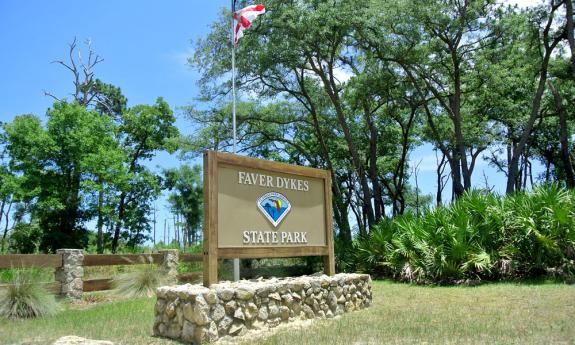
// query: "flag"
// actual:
[[244, 19]]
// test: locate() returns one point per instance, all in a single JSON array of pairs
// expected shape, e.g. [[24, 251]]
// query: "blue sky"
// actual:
[[144, 45]]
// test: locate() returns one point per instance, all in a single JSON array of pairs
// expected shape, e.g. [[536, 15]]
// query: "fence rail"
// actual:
[[122, 259], [191, 258], [57, 261], [30, 260], [53, 287], [98, 284]]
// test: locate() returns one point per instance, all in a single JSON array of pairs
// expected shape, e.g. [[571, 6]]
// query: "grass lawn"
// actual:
[[401, 314]]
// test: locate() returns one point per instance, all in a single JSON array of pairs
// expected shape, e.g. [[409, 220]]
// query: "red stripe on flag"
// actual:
[[245, 23]]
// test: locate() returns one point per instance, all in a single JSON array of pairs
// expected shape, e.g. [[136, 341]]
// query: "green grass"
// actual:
[[401, 314]]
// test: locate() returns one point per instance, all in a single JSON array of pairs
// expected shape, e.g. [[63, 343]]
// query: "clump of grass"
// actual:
[[24, 297], [140, 283]]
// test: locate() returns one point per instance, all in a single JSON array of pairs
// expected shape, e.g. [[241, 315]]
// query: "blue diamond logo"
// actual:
[[274, 206]]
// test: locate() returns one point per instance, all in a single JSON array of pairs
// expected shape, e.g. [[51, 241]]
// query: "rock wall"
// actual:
[[195, 314], [71, 273], [170, 265]]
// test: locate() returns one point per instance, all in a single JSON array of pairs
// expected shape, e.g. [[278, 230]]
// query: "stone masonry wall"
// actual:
[[71, 273], [195, 314]]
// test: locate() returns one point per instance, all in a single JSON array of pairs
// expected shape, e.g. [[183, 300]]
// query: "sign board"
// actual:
[[262, 209]]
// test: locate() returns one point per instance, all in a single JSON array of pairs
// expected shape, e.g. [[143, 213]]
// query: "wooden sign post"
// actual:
[[263, 209]]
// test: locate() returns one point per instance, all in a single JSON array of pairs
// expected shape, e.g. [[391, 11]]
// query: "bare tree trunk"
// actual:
[[526, 165], [441, 178], [452, 157], [165, 233], [7, 220], [154, 225], [399, 175], [331, 89], [337, 200], [176, 233], [379, 207], [356, 208], [563, 136], [460, 153], [100, 221], [1, 215], [121, 211], [457, 187], [194, 236], [569, 28], [416, 173], [519, 149]]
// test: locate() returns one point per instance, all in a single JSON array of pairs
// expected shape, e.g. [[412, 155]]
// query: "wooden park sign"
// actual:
[[262, 209]]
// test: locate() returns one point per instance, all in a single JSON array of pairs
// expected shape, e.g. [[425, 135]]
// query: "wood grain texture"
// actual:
[[53, 287], [254, 163], [271, 252], [210, 218], [122, 259], [191, 257], [30, 260], [212, 253], [98, 284], [328, 260], [190, 277]]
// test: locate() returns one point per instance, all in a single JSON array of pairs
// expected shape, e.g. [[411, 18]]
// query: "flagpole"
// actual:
[[236, 261], [234, 92]]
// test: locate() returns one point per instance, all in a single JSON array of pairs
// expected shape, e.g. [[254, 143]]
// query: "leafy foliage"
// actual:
[[55, 163], [480, 236], [354, 89], [186, 198]]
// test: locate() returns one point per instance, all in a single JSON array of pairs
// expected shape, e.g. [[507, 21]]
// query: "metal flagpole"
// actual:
[[236, 261]]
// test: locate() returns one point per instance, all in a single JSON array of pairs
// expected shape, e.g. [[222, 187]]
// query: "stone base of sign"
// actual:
[[196, 314]]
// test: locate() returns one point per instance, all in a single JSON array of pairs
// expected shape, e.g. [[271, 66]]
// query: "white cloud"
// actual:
[[342, 75]]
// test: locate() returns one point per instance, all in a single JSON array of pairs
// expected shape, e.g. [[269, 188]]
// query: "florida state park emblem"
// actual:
[[274, 206]]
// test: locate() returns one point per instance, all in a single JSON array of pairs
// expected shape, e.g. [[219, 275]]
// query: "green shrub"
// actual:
[[480, 236], [24, 297], [540, 230]]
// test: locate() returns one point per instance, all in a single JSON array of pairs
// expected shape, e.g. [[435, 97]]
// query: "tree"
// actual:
[[8, 189], [357, 93], [125, 193], [144, 130], [55, 163], [436, 43], [547, 40], [186, 198], [338, 123]]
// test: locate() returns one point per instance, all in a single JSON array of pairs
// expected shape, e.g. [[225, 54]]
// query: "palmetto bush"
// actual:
[[541, 231], [481, 236], [24, 297]]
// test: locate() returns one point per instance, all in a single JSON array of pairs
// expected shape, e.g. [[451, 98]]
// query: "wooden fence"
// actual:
[[56, 261]]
